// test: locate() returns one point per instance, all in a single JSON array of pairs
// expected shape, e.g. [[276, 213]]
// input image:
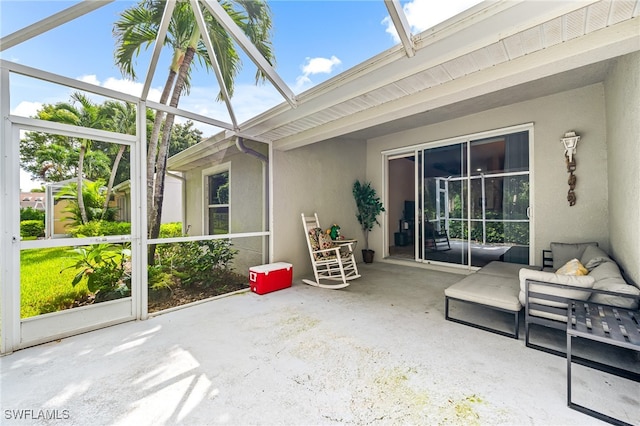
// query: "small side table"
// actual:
[[606, 324]]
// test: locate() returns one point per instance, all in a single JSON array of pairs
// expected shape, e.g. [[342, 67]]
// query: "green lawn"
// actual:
[[43, 288]]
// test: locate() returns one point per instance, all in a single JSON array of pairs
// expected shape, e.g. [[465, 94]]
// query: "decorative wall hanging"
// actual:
[[570, 142]]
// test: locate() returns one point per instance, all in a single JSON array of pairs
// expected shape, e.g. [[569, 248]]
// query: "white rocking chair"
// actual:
[[331, 260]]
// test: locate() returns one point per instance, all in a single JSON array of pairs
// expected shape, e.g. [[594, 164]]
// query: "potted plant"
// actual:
[[369, 207]]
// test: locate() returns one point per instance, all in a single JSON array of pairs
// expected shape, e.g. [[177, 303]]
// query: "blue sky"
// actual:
[[312, 40]]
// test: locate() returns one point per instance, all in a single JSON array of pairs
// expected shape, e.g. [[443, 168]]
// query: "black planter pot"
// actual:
[[367, 256]]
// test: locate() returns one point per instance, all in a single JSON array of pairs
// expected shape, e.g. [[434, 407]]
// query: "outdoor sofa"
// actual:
[[508, 287]]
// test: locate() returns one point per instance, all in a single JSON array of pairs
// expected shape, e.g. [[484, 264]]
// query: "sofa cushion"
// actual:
[[564, 252], [504, 269], [618, 285], [578, 281], [572, 267], [605, 270], [490, 290], [594, 256]]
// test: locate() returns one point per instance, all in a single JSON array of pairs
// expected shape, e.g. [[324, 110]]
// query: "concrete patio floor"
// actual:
[[376, 352]]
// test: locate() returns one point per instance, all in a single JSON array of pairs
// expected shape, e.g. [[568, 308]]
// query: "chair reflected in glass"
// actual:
[[435, 240]]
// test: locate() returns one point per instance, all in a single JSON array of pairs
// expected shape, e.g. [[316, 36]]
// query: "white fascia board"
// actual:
[[51, 22], [468, 32], [598, 46], [212, 145], [200, 150]]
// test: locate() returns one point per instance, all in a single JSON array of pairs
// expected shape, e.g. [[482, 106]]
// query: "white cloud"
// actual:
[[91, 79], [315, 66], [27, 109], [122, 85], [26, 183], [424, 14], [320, 65]]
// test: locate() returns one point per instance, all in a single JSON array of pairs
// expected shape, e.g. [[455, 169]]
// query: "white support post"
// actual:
[[139, 214], [9, 224]]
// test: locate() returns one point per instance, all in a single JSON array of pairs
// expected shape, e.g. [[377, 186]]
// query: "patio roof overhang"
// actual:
[[494, 54]]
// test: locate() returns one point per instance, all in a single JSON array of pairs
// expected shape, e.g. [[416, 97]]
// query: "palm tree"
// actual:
[[138, 28], [86, 115], [121, 118]]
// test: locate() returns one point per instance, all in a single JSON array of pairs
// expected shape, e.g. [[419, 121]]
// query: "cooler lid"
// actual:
[[270, 267]]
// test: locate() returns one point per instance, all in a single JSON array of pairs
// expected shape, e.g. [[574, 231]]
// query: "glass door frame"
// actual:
[[416, 150]]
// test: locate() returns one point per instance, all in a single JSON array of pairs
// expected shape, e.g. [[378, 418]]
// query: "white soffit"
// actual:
[[330, 109]]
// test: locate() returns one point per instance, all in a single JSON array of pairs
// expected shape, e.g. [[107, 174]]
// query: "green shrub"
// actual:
[[197, 262], [29, 213], [32, 228], [106, 269], [171, 230], [97, 228]]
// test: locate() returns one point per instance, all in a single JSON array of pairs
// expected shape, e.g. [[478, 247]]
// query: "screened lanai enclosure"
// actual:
[[160, 184], [116, 242], [80, 273], [151, 205]]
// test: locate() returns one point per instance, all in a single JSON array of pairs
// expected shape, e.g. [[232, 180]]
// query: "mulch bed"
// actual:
[[178, 295]]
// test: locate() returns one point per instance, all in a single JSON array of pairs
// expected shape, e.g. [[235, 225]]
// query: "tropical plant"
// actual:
[[138, 27], [197, 262], [121, 118], [93, 196], [369, 207], [86, 116], [105, 267], [53, 158]]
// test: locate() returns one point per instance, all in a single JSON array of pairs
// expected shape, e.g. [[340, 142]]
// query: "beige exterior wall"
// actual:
[[247, 203], [622, 94], [581, 110], [314, 179], [60, 217]]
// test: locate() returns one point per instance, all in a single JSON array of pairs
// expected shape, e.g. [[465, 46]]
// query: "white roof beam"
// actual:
[[66, 81], [214, 59], [162, 33], [225, 20], [401, 23], [193, 116], [51, 22]]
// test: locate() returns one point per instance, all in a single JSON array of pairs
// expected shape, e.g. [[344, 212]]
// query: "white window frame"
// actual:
[[220, 168]]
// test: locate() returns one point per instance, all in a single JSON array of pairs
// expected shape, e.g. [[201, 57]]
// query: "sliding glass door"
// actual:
[[473, 200]]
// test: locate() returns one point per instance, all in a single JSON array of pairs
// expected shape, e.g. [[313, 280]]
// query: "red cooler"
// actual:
[[271, 277]]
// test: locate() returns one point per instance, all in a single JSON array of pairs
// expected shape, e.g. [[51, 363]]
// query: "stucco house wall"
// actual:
[[315, 179], [247, 205], [582, 110], [622, 95]]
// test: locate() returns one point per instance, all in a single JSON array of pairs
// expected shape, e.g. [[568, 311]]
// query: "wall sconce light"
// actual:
[[570, 142]]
